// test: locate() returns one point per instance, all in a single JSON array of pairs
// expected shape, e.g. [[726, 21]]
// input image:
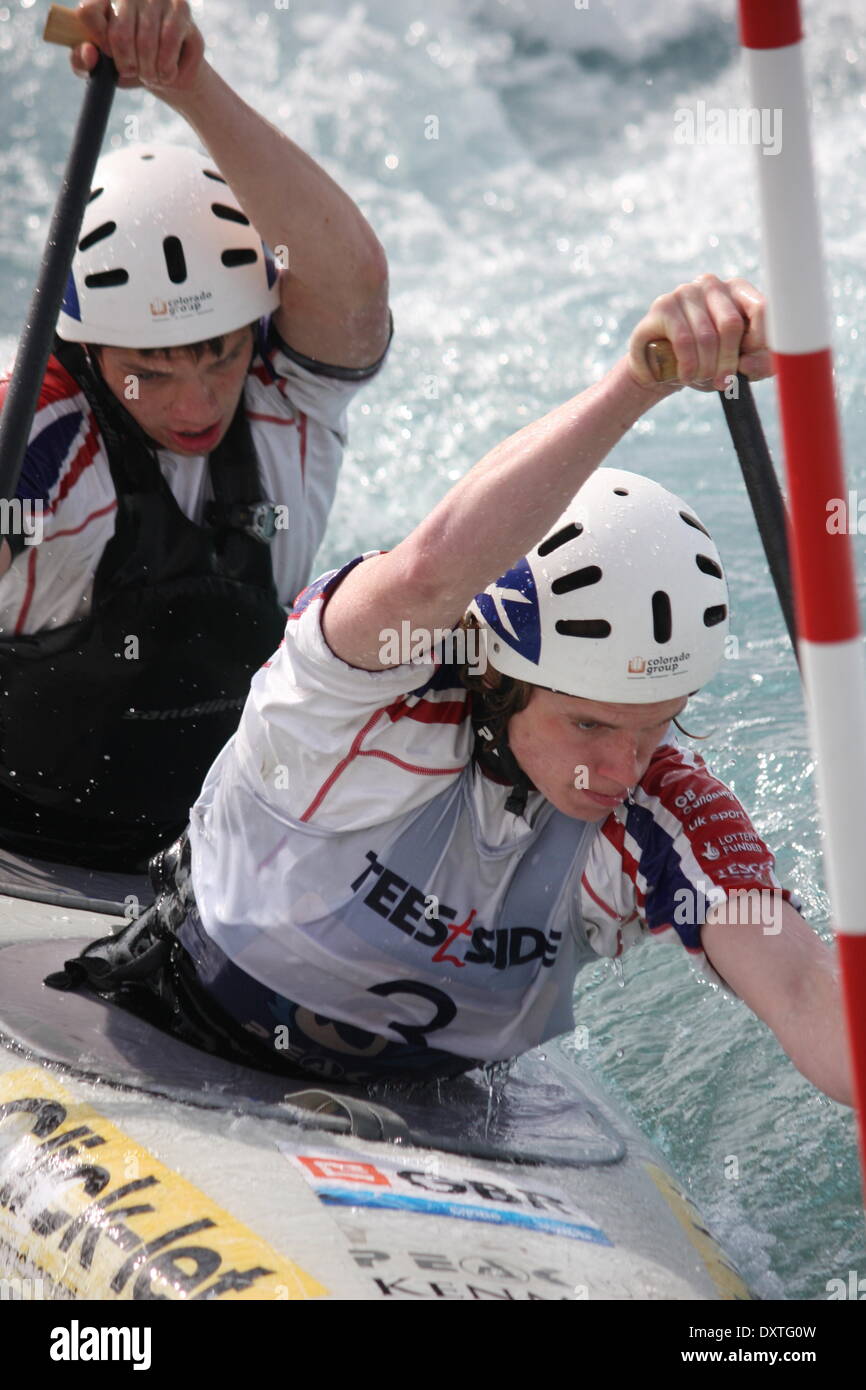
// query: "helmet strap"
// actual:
[[494, 756]]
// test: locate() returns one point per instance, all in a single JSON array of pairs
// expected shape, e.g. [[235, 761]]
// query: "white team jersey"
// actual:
[[298, 425], [302, 811]]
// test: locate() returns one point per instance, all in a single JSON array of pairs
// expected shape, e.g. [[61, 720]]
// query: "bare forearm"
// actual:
[[504, 505], [814, 1037], [788, 976], [292, 201], [488, 520]]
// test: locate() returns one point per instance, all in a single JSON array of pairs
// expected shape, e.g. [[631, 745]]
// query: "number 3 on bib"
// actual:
[[446, 1009]]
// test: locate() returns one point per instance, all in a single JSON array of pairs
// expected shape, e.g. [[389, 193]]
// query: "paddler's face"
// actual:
[[584, 755], [183, 404]]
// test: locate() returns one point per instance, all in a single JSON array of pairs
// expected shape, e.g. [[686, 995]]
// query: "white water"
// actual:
[[524, 242]]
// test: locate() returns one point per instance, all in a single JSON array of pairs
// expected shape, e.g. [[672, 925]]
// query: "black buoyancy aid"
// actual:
[[109, 724]]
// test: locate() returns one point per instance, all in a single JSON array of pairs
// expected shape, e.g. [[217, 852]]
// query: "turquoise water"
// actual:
[[525, 240]]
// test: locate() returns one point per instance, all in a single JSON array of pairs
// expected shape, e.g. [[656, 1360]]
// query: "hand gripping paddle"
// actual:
[[22, 395], [759, 475]]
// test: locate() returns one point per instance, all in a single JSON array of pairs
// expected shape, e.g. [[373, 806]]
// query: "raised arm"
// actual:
[[334, 293], [498, 511]]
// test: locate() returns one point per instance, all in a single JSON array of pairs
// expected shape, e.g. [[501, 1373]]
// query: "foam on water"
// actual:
[[525, 241]]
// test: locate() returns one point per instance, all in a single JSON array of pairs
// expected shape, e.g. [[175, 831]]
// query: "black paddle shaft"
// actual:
[[34, 348], [765, 495]]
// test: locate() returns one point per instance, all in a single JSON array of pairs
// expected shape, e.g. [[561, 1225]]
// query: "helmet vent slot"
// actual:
[[579, 579], [589, 627], [693, 521], [230, 214], [662, 623], [175, 260], [714, 615], [98, 234], [212, 174], [105, 279], [568, 533], [239, 257], [708, 566], [94, 193], [620, 492]]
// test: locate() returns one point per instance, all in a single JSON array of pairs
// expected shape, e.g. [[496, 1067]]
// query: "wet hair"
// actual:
[[212, 346], [687, 732], [500, 696], [504, 696]]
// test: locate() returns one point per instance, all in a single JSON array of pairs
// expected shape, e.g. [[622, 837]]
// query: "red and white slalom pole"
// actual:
[[831, 651]]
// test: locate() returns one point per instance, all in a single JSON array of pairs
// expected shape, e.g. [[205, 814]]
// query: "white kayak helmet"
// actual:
[[623, 601], [166, 255]]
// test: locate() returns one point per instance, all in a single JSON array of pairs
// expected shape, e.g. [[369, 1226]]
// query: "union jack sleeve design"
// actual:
[[681, 843]]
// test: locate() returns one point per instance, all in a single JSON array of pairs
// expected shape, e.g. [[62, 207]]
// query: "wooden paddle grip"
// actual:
[[64, 26], [661, 360]]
